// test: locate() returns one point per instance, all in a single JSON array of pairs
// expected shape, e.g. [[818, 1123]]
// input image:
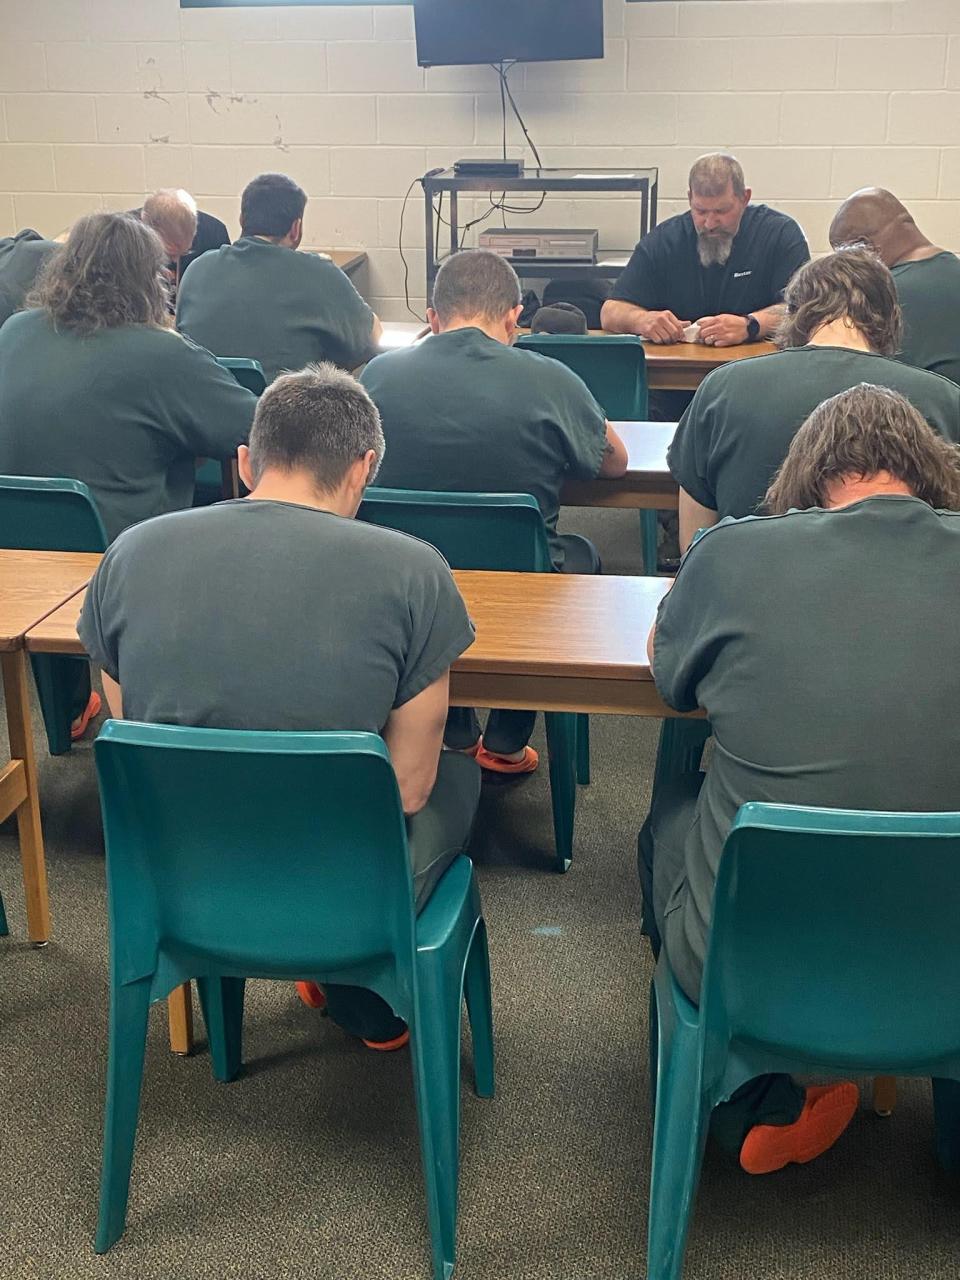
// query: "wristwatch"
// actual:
[[753, 328]]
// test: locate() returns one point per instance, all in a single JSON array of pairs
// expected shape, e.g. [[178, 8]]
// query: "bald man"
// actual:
[[927, 277]]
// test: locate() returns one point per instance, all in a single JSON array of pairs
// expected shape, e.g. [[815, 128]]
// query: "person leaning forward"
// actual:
[[927, 277], [465, 411], [841, 328], [261, 299], [247, 615], [822, 643]]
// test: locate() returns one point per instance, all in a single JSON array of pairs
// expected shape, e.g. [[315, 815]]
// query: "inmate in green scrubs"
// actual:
[[284, 308], [736, 433], [462, 412], [127, 410], [929, 293], [21, 257]]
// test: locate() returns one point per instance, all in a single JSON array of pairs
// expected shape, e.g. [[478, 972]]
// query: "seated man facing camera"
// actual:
[[374, 660], [467, 412], [842, 328], [786, 631]]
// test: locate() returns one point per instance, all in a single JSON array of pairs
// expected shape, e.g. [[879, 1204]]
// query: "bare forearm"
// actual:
[[621, 317], [769, 319]]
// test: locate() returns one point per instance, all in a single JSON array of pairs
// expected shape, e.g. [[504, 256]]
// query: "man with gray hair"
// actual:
[[185, 230], [247, 615], [723, 265]]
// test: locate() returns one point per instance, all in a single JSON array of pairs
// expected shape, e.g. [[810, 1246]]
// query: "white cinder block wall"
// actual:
[[101, 100]]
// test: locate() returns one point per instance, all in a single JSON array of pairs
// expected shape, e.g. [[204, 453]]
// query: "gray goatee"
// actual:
[[714, 249]]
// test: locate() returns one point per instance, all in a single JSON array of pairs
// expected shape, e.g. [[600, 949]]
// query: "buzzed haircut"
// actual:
[[714, 173], [172, 213], [319, 420], [851, 284], [559, 317], [270, 205], [475, 282]]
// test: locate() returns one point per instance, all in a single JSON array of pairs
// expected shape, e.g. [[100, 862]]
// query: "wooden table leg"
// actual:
[[884, 1094], [17, 695], [180, 1012]]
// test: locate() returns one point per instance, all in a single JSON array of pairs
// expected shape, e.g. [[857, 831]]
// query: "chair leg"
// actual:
[[221, 1000], [648, 541], [57, 677], [435, 1042], [480, 1011], [583, 750], [562, 749], [180, 1015], [946, 1110], [884, 1095], [3, 919], [681, 1122], [129, 1009]]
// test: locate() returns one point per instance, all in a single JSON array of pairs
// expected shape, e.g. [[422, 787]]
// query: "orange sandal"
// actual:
[[827, 1111], [499, 764], [388, 1046], [312, 995], [90, 712]]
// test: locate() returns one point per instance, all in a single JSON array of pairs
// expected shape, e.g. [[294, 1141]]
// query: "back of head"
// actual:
[[714, 174], [475, 284], [867, 218], [172, 213], [318, 421], [107, 274], [559, 317], [858, 434], [270, 205], [850, 285]]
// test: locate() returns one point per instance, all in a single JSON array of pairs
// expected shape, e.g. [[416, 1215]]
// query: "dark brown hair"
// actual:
[[108, 274], [861, 432], [851, 284], [270, 205], [475, 282]]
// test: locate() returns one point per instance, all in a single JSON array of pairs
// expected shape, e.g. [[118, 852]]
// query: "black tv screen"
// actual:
[[456, 32]]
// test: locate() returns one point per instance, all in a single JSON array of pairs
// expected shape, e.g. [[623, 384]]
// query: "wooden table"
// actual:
[[348, 260], [33, 584], [647, 483], [679, 367]]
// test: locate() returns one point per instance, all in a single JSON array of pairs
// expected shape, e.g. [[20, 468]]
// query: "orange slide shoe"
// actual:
[[90, 712], [826, 1113], [312, 995], [389, 1046], [500, 764]]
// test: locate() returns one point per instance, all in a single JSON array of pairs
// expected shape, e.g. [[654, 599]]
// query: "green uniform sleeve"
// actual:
[[209, 409], [98, 627], [692, 622], [441, 629], [582, 423], [347, 320], [689, 455]]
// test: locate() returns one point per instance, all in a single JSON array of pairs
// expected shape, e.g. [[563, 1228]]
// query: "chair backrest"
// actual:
[[40, 514], [249, 373], [496, 531], [835, 937], [258, 852], [613, 366]]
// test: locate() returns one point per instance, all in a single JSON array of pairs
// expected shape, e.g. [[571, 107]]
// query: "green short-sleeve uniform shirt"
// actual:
[[21, 257], [822, 645], [929, 293], [462, 412], [739, 426], [128, 411], [247, 615], [265, 302]]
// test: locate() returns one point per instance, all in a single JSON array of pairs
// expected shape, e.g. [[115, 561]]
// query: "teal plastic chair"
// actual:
[[39, 514], [834, 950], [614, 367], [208, 486], [501, 532], [300, 871], [4, 930]]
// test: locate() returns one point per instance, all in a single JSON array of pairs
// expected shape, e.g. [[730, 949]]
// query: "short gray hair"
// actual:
[[319, 420], [172, 213], [475, 282], [713, 173]]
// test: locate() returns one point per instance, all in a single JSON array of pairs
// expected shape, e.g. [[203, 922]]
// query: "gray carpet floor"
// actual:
[[308, 1165]]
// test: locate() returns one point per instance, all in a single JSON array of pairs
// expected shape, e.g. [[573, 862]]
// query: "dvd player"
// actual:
[[542, 244]]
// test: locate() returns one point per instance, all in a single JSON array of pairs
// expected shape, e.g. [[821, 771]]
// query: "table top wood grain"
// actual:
[[33, 584]]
